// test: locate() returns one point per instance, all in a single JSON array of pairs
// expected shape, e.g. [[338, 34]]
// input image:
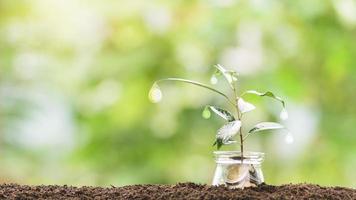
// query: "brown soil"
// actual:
[[178, 191]]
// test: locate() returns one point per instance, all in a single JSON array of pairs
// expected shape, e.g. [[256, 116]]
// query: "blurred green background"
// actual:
[[74, 79]]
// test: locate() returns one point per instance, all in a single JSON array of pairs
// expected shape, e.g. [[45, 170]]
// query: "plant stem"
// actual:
[[239, 116], [198, 84], [241, 146], [241, 136]]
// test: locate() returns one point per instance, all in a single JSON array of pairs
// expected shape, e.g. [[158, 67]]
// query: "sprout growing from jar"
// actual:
[[233, 127]]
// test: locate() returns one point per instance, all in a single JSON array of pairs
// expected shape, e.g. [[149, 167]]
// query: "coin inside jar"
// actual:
[[237, 173]]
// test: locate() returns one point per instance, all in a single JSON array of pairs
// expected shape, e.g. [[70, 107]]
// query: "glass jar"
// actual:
[[235, 172]]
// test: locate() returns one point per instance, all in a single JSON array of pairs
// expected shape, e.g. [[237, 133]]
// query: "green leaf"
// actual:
[[222, 113], [206, 112], [230, 76], [218, 71], [228, 131], [284, 114], [266, 126], [244, 106], [155, 94], [218, 143], [267, 94]]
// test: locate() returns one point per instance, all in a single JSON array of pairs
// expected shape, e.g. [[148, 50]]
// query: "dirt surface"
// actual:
[[178, 191]]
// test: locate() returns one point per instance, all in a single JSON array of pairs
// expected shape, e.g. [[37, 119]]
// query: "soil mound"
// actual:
[[178, 191]]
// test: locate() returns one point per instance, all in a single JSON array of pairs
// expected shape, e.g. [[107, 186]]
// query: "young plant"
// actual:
[[233, 127]]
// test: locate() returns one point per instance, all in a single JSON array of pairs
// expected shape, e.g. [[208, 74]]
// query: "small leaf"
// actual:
[[155, 94], [228, 131], [284, 114], [206, 113], [266, 126], [230, 76], [217, 72], [245, 106], [218, 143], [233, 75], [268, 94], [222, 113]]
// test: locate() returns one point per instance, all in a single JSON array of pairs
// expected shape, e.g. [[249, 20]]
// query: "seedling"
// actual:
[[234, 120]]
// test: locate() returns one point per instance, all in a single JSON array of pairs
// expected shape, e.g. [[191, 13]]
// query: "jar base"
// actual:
[[236, 173]]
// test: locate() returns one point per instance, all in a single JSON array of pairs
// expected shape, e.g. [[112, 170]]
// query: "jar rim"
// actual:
[[237, 153], [235, 156]]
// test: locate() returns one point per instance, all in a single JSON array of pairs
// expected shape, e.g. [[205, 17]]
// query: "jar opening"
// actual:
[[235, 157]]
